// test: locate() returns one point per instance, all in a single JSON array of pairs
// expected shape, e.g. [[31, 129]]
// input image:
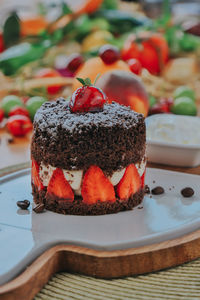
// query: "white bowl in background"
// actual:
[[173, 140]]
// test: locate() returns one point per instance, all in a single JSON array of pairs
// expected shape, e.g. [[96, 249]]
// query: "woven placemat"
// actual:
[[182, 282]]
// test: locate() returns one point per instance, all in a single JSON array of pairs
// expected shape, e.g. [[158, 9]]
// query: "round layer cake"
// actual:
[[88, 163]]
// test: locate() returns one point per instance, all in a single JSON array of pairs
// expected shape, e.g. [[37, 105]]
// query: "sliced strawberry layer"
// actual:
[[35, 178], [58, 186], [129, 184], [96, 186], [143, 179]]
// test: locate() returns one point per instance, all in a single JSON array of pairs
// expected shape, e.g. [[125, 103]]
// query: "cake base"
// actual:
[[77, 207]]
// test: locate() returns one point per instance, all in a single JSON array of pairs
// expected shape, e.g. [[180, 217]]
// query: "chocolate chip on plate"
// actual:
[[147, 189], [24, 204], [187, 192], [39, 208], [158, 190]]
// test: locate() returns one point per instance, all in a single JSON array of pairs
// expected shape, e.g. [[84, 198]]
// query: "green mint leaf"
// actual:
[[85, 82], [11, 29], [81, 80], [88, 81], [65, 9]]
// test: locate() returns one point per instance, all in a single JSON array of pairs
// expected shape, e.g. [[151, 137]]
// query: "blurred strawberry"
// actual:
[[18, 110], [1, 114], [162, 107]]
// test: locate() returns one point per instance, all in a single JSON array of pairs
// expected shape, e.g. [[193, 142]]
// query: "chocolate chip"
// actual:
[[187, 192], [158, 190], [39, 208], [147, 189], [23, 204], [140, 207]]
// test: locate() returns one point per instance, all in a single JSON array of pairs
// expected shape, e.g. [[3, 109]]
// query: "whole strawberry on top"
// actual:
[[87, 98]]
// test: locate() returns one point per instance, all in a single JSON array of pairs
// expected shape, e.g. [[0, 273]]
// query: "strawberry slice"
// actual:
[[96, 186], [130, 183], [58, 186], [143, 179], [35, 178]]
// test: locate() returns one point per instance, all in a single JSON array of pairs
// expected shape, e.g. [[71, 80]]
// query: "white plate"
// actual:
[[24, 234], [173, 152]]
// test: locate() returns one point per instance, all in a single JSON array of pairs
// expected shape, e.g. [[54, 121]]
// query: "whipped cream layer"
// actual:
[[74, 177]]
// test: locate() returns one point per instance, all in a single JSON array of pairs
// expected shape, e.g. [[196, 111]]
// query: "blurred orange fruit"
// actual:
[[94, 66], [89, 6], [32, 26]]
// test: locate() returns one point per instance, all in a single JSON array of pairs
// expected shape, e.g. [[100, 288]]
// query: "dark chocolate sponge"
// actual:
[[111, 139]]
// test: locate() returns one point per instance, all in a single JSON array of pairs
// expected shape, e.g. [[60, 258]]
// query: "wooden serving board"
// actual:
[[103, 257], [101, 264]]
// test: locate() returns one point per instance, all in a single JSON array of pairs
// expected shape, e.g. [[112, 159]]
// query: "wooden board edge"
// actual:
[[101, 264]]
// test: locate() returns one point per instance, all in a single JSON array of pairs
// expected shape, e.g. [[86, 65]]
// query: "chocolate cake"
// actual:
[[88, 163]]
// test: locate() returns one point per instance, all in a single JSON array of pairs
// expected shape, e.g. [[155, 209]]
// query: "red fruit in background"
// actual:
[[19, 125], [151, 49], [162, 107], [2, 46], [47, 72], [129, 184], [35, 178], [1, 114], [87, 98], [167, 101], [58, 186], [87, 6], [75, 60], [18, 110], [96, 187], [109, 54], [135, 66], [159, 108], [68, 65]]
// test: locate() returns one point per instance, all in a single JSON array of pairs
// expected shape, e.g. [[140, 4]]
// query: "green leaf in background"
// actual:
[[82, 81], [110, 4], [57, 36], [152, 100], [65, 9], [11, 30], [189, 42]]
